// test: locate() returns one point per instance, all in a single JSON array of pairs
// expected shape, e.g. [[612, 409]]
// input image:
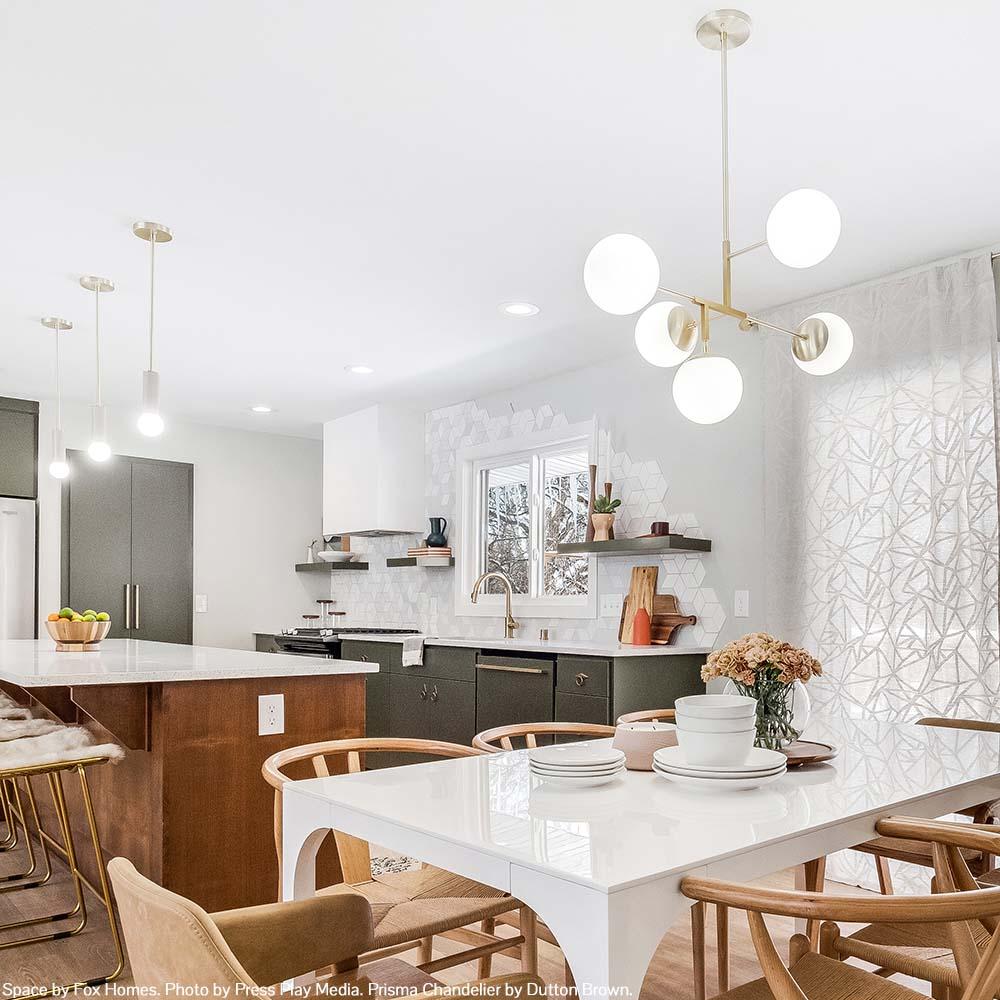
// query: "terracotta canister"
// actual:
[[641, 627]]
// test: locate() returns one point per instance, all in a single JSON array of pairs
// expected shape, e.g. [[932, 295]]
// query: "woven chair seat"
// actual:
[[823, 978], [415, 904], [919, 950], [915, 852]]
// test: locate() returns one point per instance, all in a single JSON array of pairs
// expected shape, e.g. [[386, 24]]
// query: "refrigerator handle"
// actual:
[[128, 607], [135, 606]]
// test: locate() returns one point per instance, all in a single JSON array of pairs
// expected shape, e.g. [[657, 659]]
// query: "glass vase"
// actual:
[[779, 719]]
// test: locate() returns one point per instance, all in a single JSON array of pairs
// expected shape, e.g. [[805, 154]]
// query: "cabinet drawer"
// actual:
[[450, 662], [581, 708], [388, 655], [583, 675], [512, 690]]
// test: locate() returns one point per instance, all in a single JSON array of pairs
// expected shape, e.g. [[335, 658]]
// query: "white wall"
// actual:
[[257, 504], [713, 474]]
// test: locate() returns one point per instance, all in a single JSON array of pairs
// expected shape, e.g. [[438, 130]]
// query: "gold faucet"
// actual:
[[509, 623]]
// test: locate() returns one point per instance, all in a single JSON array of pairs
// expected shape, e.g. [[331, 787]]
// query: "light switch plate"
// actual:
[[201, 602], [741, 604], [611, 605], [270, 714]]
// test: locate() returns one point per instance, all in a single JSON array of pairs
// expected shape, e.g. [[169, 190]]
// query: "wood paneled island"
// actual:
[[188, 805]]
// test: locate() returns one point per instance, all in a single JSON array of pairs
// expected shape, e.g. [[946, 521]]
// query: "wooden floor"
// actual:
[[91, 952]]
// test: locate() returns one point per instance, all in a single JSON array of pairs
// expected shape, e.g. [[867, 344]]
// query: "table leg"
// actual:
[[301, 837], [607, 938]]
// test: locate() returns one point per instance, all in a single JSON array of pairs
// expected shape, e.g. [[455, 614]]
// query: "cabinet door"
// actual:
[[451, 710], [18, 449], [513, 690], [97, 515], [162, 511], [408, 718]]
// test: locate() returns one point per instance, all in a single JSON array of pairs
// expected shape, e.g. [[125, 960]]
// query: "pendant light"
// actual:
[[150, 422], [98, 449], [58, 467], [622, 276]]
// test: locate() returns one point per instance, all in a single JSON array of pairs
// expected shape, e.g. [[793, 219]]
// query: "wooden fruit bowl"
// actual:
[[77, 637]]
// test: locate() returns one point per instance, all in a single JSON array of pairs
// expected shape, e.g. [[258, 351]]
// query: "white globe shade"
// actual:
[[839, 345], [621, 274], [99, 451], [803, 228], [652, 334], [58, 468], [150, 424], [707, 389]]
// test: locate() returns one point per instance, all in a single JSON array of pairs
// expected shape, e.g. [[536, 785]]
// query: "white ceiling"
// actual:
[[365, 180]]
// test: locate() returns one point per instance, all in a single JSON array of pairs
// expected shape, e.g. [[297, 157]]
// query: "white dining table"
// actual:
[[603, 866]]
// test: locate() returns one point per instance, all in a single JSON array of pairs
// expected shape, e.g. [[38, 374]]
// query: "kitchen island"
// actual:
[[188, 805]]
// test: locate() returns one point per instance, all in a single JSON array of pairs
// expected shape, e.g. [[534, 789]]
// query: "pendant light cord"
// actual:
[[58, 391], [97, 340], [152, 285]]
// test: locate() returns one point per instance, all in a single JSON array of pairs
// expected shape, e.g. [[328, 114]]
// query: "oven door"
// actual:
[[303, 645]]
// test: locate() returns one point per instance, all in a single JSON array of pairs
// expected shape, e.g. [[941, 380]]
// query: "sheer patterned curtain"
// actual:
[[881, 514]]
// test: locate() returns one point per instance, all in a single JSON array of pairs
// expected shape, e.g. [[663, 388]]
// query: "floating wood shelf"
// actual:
[[325, 567], [635, 546], [412, 561]]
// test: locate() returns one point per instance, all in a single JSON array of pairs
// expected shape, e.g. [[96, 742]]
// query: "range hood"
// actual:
[[373, 473]]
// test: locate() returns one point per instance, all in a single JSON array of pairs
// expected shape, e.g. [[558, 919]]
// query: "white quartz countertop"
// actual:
[[592, 647], [36, 663]]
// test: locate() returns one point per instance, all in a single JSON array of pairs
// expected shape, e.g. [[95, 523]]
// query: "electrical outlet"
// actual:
[[741, 604], [270, 714], [611, 605], [201, 603]]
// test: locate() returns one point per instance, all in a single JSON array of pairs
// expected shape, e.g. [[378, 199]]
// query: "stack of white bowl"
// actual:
[[576, 764], [715, 734]]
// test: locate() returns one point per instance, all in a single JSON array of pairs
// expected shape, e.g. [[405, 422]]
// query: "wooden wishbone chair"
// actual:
[[409, 908], [971, 918], [650, 715], [918, 853], [502, 738]]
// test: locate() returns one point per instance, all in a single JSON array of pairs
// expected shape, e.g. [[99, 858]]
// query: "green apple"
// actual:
[[77, 618], [103, 616], [67, 613], [89, 611], [90, 618]]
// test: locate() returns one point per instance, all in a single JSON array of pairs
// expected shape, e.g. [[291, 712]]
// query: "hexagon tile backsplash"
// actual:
[[405, 597]]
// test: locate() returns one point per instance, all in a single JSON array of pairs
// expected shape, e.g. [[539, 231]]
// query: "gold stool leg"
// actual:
[[9, 841], [31, 883], [19, 819]]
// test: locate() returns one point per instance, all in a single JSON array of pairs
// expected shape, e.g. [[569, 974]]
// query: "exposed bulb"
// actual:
[[99, 451], [150, 424], [58, 468]]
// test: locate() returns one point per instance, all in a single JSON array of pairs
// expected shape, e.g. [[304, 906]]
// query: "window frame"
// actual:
[[471, 508]]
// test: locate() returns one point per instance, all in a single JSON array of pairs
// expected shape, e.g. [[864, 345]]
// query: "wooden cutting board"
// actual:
[[641, 592], [666, 617]]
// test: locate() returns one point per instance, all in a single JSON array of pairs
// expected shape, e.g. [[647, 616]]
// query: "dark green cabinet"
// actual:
[[127, 533], [513, 689], [18, 448]]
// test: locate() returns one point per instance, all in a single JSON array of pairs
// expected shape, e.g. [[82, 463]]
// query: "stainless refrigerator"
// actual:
[[18, 521]]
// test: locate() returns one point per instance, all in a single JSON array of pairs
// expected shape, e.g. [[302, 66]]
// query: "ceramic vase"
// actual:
[[602, 526]]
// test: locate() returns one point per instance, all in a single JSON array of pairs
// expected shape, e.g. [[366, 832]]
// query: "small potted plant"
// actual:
[[604, 517], [765, 668]]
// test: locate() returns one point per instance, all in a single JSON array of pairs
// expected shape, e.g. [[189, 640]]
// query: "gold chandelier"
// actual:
[[622, 276]]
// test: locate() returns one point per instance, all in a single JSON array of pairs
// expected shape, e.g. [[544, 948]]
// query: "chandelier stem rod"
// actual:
[[747, 249], [727, 282], [776, 329]]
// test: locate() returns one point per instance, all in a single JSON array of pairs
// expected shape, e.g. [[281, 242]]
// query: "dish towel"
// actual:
[[413, 651]]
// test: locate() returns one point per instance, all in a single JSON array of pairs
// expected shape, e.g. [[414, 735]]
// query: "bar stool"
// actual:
[[34, 749]]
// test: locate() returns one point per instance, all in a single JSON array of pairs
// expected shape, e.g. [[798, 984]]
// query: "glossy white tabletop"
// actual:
[[642, 826], [36, 663]]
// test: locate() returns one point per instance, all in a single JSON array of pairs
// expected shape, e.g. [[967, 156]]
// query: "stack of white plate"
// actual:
[[761, 767], [576, 764]]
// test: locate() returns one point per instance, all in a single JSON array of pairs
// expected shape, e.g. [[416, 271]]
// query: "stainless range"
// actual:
[[326, 641]]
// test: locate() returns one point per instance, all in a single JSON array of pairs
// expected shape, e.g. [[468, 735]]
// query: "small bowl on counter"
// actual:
[[640, 740], [77, 637], [335, 556]]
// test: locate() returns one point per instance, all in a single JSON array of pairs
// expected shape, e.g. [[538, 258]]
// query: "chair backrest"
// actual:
[[958, 902], [650, 715], [354, 853], [502, 737], [169, 938]]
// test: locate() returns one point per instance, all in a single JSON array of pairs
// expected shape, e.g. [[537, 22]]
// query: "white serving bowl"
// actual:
[[335, 555], [695, 724], [716, 748], [716, 706]]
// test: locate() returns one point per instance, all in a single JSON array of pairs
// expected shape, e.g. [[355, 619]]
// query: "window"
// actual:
[[517, 507]]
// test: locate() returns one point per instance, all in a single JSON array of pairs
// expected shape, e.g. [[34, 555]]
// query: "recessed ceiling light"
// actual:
[[359, 369], [261, 408], [519, 309]]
